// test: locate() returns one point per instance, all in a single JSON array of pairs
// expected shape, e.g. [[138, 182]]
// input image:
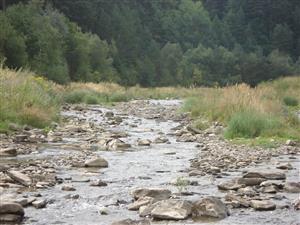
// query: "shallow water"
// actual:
[[154, 166]]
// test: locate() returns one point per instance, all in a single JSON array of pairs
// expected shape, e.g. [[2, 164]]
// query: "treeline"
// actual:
[[154, 43]]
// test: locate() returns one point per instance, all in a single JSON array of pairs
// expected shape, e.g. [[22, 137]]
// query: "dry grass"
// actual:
[[26, 99]]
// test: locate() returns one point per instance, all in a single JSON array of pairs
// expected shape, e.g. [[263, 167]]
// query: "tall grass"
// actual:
[[251, 112], [26, 99]]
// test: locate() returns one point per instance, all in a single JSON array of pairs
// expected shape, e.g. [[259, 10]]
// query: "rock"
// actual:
[[156, 193], [132, 222], [187, 137], [292, 187], [117, 144], [41, 203], [98, 183], [250, 181], [19, 177], [8, 152], [172, 209], [296, 204], [20, 138], [268, 176], [290, 143], [287, 166], [103, 210], [160, 140], [141, 202], [11, 212], [145, 142], [210, 206], [269, 189], [277, 183], [96, 162], [194, 173], [230, 185], [239, 201], [68, 187], [248, 191], [109, 114], [262, 205], [193, 130]]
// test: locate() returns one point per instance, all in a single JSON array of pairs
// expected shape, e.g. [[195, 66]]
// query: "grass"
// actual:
[[267, 111], [26, 99]]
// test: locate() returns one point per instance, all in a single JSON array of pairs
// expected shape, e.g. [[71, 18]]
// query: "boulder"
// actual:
[[271, 189], [287, 166], [98, 183], [237, 200], [132, 222], [156, 193], [96, 162], [266, 175], [117, 144], [262, 205], [68, 187], [172, 209], [19, 177], [11, 212], [211, 207]]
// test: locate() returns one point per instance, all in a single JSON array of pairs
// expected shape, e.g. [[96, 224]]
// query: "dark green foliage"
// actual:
[[250, 125], [153, 43], [290, 101]]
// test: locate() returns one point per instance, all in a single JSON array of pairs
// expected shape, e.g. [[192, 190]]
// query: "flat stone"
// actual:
[[292, 187], [241, 202], [145, 142], [156, 193], [40, 203], [132, 222], [160, 140], [8, 152], [230, 185], [10, 218], [250, 181], [68, 187], [98, 183], [287, 166], [262, 205], [187, 137], [271, 189], [141, 202], [211, 207], [19, 177], [266, 175], [172, 209], [96, 162]]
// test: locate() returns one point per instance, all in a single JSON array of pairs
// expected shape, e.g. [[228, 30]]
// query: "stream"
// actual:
[[159, 165]]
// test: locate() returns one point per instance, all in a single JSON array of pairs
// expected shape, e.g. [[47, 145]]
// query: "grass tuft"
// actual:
[[290, 101]]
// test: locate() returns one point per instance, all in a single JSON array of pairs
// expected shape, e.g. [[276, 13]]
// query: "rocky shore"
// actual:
[[142, 162]]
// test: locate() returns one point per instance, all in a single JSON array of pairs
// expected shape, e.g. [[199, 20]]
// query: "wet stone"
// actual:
[[292, 187], [19, 177], [266, 175], [156, 193], [98, 183], [68, 187], [96, 162], [41, 203], [262, 205]]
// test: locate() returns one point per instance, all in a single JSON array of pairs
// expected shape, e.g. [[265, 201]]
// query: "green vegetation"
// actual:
[[26, 99], [153, 43], [250, 113], [290, 101]]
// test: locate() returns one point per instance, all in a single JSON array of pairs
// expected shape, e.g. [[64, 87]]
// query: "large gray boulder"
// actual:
[[10, 212]]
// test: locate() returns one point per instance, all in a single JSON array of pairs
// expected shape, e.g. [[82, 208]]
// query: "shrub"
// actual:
[[91, 99], [290, 101], [250, 124], [76, 96]]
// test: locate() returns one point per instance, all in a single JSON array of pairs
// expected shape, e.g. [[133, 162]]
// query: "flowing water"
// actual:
[[156, 166]]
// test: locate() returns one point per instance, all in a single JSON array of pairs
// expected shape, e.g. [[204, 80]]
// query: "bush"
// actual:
[[250, 124], [91, 99], [290, 101]]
